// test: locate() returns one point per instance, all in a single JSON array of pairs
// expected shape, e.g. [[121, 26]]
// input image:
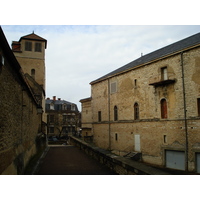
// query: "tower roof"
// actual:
[[33, 36]]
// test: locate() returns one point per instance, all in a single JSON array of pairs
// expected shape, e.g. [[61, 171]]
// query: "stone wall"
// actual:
[[86, 117], [156, 134], [120, 165], [20, 124]]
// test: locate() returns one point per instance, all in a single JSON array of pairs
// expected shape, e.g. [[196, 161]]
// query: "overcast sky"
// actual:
[[77, 55]]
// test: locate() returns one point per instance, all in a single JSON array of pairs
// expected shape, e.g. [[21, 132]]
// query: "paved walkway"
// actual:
[[69, 160]]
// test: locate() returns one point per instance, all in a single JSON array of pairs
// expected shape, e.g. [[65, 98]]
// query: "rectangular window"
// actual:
[[135, 83], [164, 73], [73, 107], [113, 87], [165, 138], [51, 118], [198, 106], [99, 116], [28, 46], [38, 47], [116, 136], [51, 130], [64, 119]]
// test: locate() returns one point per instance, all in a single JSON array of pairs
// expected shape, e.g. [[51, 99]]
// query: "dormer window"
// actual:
[[51, 106], [73, 107], [28, 46], [38, 47], [64, 106]]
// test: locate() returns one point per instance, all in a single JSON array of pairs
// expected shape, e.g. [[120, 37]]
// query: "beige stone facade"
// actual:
[[86, 121], [63, 118], [21, 134], [152, 106]]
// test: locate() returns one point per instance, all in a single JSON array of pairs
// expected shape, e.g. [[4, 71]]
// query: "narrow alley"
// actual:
[[69, 160]]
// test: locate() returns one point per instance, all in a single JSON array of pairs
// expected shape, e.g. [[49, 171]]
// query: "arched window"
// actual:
[[33, 73], [136, 111], [115, 113], [163, 104]]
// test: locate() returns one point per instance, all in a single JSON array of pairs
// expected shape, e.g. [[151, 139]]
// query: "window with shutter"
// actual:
[[38, 47], [163, 109], [28, 46], [164, 73], [113, 87]]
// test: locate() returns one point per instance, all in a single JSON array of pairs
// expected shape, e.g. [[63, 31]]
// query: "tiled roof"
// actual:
[[158, 54], [33, 36]]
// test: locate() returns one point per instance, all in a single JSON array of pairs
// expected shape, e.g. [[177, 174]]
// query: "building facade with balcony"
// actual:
[[152, 106], [63, 117]]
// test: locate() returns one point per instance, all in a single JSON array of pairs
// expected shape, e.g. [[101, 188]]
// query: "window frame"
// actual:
[[136, 111], [99, 116], [113, 87], [163, 109], [164, 73], [28, 46], [115, 113], [38, 47]]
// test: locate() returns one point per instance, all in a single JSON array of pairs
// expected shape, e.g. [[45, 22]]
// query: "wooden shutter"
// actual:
[[163, 109]]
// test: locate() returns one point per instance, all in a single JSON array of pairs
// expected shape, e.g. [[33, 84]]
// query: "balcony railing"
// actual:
[[157, 80]]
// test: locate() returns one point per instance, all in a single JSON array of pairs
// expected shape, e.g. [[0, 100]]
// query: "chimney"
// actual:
[[54, 98]]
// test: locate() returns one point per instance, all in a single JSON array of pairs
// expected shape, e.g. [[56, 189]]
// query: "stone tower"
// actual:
[[30, 53]]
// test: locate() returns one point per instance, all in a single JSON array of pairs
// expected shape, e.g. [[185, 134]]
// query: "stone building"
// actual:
[[86, 121], [152, 106], [63, 117], [21, 134], [30, 53]]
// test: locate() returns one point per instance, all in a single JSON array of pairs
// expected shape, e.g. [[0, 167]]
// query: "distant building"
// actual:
[[63, 117], [151, 106], [21, 131]]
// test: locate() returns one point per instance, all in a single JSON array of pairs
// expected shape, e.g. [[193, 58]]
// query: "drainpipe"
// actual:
[[185, 115], [109, 128]]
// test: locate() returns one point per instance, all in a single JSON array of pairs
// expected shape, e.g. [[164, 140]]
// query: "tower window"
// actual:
[[163, 104], [38, 47], [136, 111], [28, 46], [33, 73]]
